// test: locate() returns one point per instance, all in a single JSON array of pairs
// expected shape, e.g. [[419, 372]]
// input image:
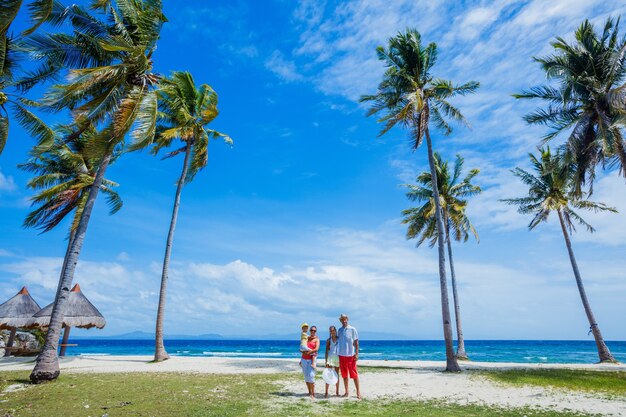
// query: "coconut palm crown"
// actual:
[[110, 82], [184, 113], [452, 195], [587, 99], [409, 94], [63, 176], [552, 188]]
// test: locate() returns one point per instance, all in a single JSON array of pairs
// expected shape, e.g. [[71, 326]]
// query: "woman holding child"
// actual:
[[308, 360]]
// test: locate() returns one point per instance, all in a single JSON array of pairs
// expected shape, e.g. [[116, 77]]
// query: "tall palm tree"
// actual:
[[110, 86], [423, 224], [185, 111], [410, 96], [552, 188], [588, 102]]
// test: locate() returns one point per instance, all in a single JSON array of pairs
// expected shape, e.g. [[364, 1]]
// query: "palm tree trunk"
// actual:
[[452, 364], [8, 347], [603, 350], [47, 367], [159, 353], [460, 349], [66, 338]]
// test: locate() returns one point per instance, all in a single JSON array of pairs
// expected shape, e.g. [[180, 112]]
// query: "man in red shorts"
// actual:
[[348, 351]]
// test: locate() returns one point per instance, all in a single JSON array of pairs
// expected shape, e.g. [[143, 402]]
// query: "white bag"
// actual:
[[330, 376]]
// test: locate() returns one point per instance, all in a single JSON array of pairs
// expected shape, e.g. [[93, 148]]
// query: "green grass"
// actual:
[[195, 395], [608, 382]]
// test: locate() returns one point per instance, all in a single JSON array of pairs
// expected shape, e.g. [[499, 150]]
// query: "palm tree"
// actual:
[[410, 96], [423, 225], [184, 112], [110, 86], [552, 188], [589, 99]]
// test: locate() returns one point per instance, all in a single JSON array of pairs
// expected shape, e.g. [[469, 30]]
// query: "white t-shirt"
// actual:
[[345, 340]]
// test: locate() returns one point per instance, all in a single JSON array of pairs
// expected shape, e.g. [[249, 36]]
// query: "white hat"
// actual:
[[330, 376]]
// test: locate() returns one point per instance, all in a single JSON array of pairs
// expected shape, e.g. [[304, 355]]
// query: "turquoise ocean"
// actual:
[[524, 351]]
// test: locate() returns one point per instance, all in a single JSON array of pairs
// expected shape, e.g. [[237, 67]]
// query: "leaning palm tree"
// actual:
[[409, 95], [423, 224], [185, 111], [110, 86], [588, 102], [552, 189]]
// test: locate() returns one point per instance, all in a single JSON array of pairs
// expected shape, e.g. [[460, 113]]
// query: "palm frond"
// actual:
[[34, 125], [39, 11]]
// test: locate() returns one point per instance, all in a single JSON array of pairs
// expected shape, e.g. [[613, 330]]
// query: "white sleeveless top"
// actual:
[[332, 351]]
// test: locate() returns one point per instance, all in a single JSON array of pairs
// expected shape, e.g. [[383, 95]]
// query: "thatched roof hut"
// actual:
[[79, 312], [18, 310]]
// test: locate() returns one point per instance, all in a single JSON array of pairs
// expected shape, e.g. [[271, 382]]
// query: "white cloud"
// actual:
[[282, 67], [474, 22], [378, 277], [6, 182], [123, 256]]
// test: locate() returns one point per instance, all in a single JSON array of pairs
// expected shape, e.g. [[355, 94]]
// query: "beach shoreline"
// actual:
[[223, 365]]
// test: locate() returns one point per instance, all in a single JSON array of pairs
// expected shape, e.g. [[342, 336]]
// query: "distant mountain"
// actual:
[[139, 335]]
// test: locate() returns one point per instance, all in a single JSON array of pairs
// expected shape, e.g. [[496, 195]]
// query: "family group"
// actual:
[[341, 355]]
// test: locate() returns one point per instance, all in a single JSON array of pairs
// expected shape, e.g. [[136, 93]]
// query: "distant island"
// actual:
[[139, 335]]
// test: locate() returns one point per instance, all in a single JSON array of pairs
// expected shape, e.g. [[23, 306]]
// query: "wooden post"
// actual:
[[66, 336], [7, 352]]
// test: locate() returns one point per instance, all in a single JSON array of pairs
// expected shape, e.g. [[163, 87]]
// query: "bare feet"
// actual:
[[358, 395], [326, 395], [345, 395]]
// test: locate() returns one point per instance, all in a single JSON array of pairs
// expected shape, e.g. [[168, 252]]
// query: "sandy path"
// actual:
[[421, 381], [468, 388]]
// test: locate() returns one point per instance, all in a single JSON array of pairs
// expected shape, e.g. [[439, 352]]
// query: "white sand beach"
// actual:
[[419, 380]]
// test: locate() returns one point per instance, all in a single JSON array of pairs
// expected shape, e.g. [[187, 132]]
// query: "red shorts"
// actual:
[[347, 365]]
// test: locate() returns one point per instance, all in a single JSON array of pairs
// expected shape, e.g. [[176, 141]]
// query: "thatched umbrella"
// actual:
[[79, 312], [16, 313]]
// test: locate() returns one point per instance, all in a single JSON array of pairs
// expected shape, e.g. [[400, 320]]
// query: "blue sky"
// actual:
[[300, 219]]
